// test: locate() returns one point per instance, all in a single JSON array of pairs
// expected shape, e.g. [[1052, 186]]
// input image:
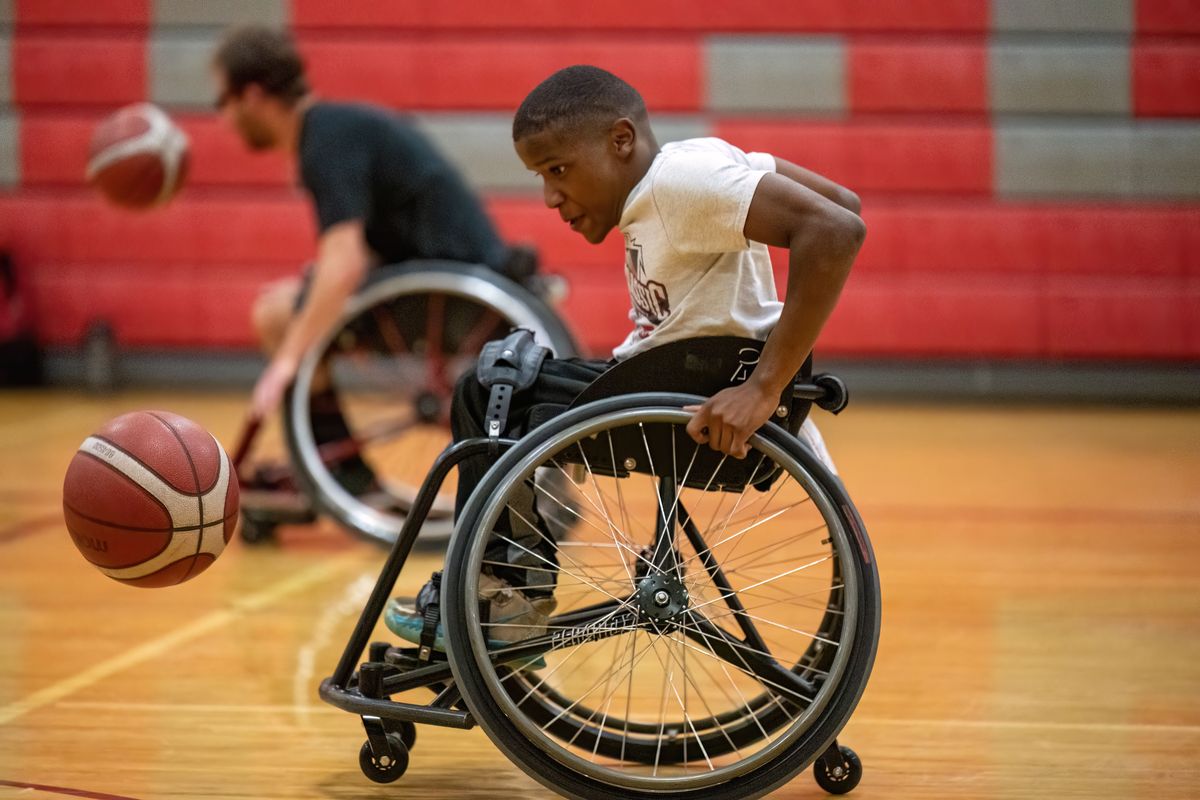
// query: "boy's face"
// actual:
[[583, 176]]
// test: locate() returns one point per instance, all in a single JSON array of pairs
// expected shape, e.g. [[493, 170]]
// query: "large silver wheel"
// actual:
[[388, 370], [716, 619]]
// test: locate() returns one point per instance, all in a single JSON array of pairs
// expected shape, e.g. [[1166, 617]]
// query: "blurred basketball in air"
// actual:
[[138, 157], [151, 499]]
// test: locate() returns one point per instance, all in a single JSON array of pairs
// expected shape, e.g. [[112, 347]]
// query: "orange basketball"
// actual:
[[151, 499], [139, 157]]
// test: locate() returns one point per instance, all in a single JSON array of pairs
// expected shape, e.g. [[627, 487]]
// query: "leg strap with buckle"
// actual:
[[506, 366]]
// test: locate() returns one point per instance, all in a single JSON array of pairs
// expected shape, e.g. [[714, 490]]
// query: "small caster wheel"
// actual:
[[838, 777], [406, 729], [384, 768], [256, 531]]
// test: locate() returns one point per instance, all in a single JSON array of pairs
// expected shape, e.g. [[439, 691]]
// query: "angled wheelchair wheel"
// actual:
[[369, 408], [716, 619]]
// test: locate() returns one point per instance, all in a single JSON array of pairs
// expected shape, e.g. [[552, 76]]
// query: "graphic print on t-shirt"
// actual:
[[649, 298]]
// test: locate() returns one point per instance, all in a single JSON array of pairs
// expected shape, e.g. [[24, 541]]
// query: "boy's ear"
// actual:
[[622, 137]]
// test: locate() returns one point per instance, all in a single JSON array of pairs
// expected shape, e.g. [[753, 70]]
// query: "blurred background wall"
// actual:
[[1030, 170]]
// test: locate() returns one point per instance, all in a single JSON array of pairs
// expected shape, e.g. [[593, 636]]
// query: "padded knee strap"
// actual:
[[505, 366]]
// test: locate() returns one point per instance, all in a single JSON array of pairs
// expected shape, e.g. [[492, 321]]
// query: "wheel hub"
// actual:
[[661, 598]]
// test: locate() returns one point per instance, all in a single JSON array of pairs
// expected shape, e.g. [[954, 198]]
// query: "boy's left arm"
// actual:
[[822, 238]]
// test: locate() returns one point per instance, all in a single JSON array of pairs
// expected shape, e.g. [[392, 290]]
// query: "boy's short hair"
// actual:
[[267, 57], [576, 98]]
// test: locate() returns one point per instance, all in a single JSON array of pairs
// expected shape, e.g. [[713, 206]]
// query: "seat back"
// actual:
[[701, 366]]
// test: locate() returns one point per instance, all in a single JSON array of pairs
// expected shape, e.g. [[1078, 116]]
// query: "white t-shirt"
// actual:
[[690, 269]]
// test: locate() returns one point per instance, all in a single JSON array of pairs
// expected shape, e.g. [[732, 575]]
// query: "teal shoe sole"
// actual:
[[408, 627]]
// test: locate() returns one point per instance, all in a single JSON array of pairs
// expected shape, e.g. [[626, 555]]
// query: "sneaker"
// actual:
[[514, 616]]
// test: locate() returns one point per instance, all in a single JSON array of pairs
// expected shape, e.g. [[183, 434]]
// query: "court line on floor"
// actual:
[[1028, 725], [1065, 515], [215, 708], [27, 527], [40, 787], [156, 647], [199, 708]]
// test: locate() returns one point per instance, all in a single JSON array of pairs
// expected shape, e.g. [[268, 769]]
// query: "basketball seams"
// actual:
[[109, 465], [144, 144], [140, 463], [187, 530], [173, 144], [128, 481], [156, 138], [136, 529], [196, 479]]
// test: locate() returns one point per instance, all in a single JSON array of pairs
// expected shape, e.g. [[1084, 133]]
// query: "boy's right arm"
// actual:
[[819, 184]]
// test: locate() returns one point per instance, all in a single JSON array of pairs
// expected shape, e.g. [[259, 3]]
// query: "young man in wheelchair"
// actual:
[[697, 217], [382, 194]]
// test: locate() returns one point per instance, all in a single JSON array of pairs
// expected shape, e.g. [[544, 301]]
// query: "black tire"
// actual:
[[839, 778], [559, 771], [379, 771], [400, 289]]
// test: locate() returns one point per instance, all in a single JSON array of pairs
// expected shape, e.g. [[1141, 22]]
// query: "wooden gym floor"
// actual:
[[1041, 629]]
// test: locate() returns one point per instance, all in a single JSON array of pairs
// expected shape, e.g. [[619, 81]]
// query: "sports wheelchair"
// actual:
[[377, 389], [717, 618]]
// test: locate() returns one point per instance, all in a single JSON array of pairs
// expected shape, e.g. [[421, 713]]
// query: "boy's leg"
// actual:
[[521, 537], [812, 437], [558, 382]]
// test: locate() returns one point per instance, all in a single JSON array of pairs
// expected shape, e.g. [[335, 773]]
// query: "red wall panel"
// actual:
[[936, 316], [81, 229], [918, 76], [83, 12], [1191, 320], [1166, 79], [1168, 16], [1117, 318], [54, 150], [496, 73], [638, 15], [90, 71], [180, 306], [906, 157], [947, 237]]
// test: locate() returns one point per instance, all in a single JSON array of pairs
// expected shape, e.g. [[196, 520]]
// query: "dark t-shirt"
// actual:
[[366, 163]]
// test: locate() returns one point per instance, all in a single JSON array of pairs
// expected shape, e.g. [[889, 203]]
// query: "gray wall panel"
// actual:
[[180, 69], [6, 81], [1064, 159], [10, 149], [776, 73], [480, 145], [671, 128], [8, 14], [220, 13], [1090, 16], [1060, 78], [1146, 160], [1166, 159]]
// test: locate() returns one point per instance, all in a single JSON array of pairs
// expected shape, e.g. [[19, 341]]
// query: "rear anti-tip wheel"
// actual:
[[838, 776], [385, 767], [407, 731]]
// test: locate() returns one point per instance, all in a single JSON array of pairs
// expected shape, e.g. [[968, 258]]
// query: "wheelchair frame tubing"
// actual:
[[446, 460]]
